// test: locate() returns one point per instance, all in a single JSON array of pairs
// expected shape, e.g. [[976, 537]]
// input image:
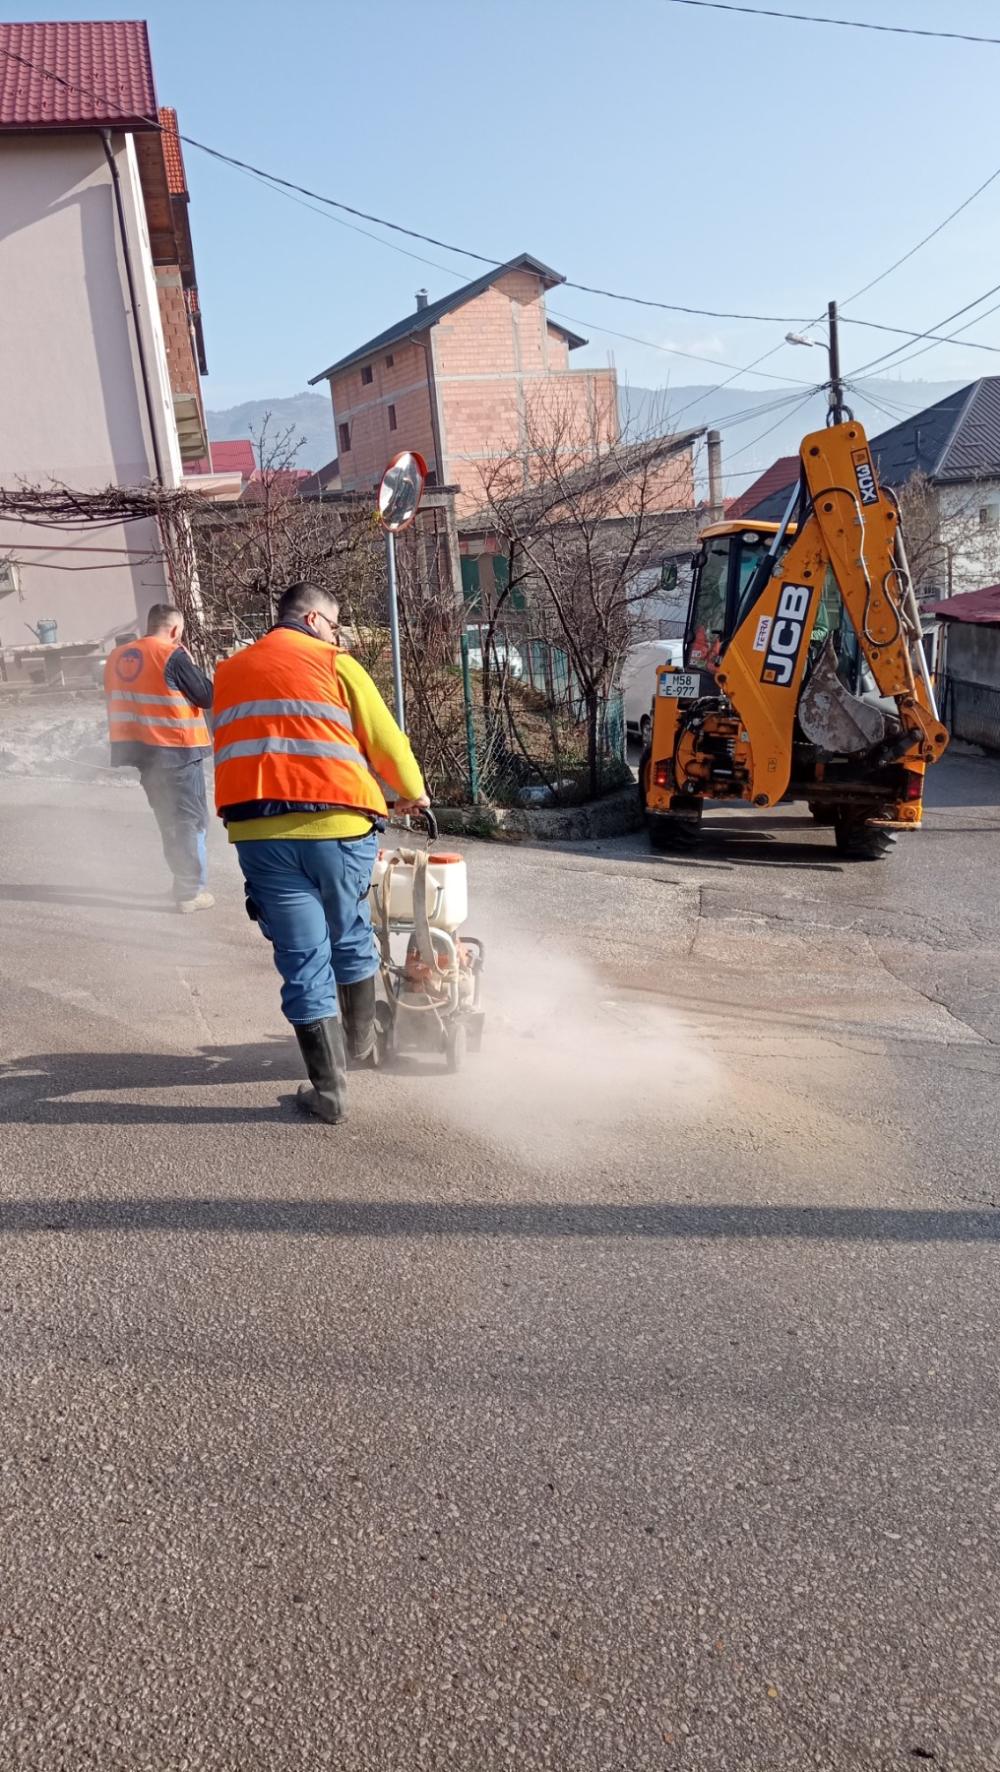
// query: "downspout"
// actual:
[[133, 298]]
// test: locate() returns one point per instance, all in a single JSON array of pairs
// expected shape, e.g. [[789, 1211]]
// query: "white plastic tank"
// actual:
[[447, 889]]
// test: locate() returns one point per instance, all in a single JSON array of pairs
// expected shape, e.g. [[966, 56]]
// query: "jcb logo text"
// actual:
[[786, 635]]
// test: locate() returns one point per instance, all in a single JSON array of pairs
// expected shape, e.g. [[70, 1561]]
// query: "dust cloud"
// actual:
[[566, 1060]]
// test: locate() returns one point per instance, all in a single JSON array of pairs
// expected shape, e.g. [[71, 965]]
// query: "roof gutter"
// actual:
[[134, 300]]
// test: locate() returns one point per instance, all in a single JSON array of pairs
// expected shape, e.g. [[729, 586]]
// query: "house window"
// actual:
[[989, 516], [392, 418], [367, 375], [390, 360], [344, 437]]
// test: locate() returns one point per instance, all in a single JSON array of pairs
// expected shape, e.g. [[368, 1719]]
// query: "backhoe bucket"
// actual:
[[834, 719]]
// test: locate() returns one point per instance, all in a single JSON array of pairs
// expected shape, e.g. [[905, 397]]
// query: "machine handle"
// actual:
[[426, 816]]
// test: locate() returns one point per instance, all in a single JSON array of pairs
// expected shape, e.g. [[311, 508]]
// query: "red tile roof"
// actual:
[[236, 457], [174, 159], [76, 76], [981, 607], [781, 474]]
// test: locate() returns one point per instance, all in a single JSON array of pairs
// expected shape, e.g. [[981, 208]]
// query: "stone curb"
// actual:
[[614, 816]]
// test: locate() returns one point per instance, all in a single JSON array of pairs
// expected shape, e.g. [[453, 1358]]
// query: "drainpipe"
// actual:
[[133, 298]]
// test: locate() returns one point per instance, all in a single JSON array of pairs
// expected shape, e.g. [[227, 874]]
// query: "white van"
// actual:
[[639, 681]]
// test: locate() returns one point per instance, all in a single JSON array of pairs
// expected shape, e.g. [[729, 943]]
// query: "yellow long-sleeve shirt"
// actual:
[[385, 748]]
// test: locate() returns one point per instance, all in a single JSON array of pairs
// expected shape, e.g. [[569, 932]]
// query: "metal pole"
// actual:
[[397, 662], [836, 385], [470, 730]]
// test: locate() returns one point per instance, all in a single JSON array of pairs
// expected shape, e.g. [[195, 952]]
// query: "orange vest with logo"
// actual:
[[142, 708], [283, 730]]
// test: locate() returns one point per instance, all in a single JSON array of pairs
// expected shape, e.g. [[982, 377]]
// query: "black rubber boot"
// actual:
[[321, 1044], [357, 1009]]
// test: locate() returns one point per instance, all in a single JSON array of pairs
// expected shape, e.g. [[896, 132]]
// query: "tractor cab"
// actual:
[[723, 572]]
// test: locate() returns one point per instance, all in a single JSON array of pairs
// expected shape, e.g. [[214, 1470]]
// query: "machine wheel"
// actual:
[[862, 842], [644, 762], [385, 1035], [823, 812], [673, 833], [645, 731], [456, 1045]]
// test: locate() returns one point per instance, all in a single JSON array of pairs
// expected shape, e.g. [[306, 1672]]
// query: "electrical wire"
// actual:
[[303, 191], [853, 24], [674, 350], [932, 333]]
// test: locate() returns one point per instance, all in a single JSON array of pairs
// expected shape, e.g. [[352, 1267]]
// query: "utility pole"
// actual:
[[836, 385]]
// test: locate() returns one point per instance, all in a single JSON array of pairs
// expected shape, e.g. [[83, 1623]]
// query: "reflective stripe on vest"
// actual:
[[142, 708], [283, 728]]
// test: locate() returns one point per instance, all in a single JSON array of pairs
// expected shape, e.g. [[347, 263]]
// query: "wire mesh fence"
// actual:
[[971, 711]]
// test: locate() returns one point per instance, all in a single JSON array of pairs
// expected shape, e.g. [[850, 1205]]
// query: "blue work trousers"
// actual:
[[311, 899], [175, 789]]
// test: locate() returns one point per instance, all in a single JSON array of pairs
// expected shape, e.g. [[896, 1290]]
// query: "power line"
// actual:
[[853, 24], [674, 350], [932, 333], [304, 191]]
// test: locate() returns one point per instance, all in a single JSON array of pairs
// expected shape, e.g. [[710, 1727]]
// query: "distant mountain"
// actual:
[[752, 436], [309, 415]]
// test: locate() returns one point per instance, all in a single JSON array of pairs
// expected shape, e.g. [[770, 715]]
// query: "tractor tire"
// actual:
[[862, 842], [822, 812], [644, 762], [671, 833], [645, 731]]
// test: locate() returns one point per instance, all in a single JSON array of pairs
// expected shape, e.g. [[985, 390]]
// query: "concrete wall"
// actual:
[[71, 403], [971, 696], [973, 653]]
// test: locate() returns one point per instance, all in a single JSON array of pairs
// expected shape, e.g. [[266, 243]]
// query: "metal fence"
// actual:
[[533, 736], [971, 711]]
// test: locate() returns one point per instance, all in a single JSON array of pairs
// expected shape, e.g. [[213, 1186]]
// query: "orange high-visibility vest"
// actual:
[[142, 708], [283, 729]]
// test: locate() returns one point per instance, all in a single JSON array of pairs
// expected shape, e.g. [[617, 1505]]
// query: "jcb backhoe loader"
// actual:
[[805, 675]]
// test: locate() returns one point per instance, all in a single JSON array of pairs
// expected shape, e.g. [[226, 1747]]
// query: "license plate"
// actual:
[[675, 684]]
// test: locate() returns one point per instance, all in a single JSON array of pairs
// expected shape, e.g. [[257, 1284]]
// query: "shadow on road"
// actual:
[[159, 902], [402, 1218], [36, 1088]]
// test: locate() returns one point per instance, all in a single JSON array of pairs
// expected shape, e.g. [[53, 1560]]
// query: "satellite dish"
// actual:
[[401, 490]]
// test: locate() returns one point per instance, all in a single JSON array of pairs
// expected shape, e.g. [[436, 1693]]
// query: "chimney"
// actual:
[[421, 299], [715, 505]]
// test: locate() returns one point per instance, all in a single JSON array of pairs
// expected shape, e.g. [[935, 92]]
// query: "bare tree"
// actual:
[[580, 521], [248, 552], [952, 535]]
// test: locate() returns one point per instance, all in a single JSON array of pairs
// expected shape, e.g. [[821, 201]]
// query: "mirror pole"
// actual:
[[397, 662]]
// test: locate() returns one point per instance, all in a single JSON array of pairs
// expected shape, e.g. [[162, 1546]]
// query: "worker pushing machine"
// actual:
[[303, 742], [155, 697]]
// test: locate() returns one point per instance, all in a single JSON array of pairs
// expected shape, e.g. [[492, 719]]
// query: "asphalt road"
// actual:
[[627, 1401]]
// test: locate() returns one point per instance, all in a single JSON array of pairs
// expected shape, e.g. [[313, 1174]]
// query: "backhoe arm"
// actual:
[[852, 529]]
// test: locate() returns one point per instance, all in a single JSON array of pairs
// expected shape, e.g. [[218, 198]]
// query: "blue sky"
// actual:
[[694, 157]]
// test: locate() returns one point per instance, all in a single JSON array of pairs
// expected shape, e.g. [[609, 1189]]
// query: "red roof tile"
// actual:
[[781, 474], [981, 607], [176, 179], [76, 76], [234, 457]]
